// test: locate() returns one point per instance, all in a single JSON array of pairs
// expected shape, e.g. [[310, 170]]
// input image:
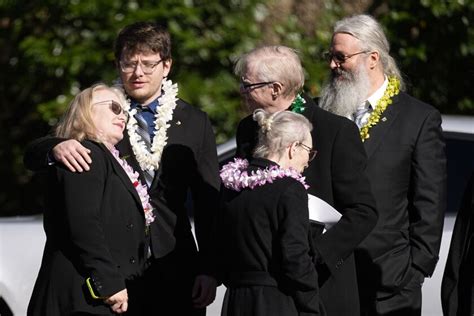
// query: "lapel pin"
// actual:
[[384, 119], [178, 123]]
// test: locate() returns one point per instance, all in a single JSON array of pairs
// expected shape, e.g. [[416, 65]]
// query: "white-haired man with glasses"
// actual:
[[272, 78], [406, 166]]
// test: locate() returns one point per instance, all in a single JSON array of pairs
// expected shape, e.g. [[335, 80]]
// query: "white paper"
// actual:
[[321, 211]]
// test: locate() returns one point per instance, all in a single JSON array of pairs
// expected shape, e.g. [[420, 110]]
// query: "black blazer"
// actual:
[[95, 227], [407, 171], [264, 242], [188, 165], [457, 288], [337, 176]]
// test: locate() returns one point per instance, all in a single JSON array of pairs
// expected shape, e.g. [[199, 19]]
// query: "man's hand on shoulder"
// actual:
[[73, 155]]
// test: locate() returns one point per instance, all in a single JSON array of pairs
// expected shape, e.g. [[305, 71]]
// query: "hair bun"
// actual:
[[264, 120], [267, 124]]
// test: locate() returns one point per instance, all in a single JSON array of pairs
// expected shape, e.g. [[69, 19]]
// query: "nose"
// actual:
[[138, 70], [123, 116], [333, 64]]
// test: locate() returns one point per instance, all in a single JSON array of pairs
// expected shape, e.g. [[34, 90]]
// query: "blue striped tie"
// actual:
[[145, 135]]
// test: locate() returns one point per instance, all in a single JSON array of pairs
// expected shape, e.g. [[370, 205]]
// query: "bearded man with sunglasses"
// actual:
[[271, 79], [406, 166], [172, 146]]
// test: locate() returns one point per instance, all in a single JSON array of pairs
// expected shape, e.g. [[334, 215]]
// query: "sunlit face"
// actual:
[[349, 46], [141, 85], [109, 120], [258, 96]]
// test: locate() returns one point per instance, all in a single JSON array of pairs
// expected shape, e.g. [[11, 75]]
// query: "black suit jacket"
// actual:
[[95, 227], [264, 241], [457, 289], [336, 175], [188, 166], [407, 171]]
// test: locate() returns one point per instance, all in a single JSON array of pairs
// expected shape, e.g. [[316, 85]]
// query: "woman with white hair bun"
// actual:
[[264, 247]]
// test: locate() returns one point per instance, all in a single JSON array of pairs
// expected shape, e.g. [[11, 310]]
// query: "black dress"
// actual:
[[337, 176], [265, 255]]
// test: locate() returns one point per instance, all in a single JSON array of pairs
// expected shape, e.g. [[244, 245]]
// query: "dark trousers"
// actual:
[[168, 286], [405, 302]]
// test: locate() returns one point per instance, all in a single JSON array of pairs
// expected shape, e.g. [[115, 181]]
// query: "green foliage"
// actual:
[[433, 40], [53, 49]]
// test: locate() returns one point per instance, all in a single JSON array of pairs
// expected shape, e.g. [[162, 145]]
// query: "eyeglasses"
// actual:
[[148, 67], [311, 152], [247, 87], [340, 58], [115, 107]]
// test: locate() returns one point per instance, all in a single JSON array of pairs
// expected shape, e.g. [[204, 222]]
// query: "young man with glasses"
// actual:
[[336, 175], [171, 145], [406, 166]]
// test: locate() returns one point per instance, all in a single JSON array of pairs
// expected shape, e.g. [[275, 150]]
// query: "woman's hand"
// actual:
[[118, 302]]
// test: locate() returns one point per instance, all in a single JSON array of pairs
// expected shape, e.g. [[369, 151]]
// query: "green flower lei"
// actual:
[[297, 105], [392, 90]]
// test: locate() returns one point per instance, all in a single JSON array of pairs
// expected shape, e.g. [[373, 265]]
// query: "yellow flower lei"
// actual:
[[393, 88]]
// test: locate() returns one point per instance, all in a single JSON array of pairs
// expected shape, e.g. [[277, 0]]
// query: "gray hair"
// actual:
[[372, 38], [278, 130], [274, 63]]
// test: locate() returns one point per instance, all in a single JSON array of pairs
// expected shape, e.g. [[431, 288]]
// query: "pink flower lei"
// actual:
[[141, 189], [234, 175]]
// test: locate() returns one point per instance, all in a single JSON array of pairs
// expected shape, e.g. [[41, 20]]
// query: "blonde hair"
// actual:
[[76, 122], [278, 130]]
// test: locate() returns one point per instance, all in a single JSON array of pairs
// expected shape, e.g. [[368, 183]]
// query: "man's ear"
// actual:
[[167, 67], [374, 59], [277, 89]]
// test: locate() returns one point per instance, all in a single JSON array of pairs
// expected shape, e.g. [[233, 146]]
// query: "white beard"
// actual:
[[342, 96]]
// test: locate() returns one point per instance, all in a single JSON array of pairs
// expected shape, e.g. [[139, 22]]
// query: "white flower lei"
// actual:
[[164, 113]]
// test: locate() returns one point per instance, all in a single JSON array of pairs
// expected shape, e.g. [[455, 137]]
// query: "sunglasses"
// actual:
[[115, 107], [340, 58]]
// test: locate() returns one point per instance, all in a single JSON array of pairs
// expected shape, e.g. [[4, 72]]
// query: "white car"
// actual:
[[22, 238]]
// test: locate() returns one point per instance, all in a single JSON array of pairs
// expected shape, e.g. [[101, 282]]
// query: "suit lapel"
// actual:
[[126, 152], [171, 134], [123, 176], [378, 132], [309, 108]]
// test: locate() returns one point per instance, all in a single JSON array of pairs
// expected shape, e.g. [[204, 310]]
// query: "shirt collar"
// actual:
[[151, 106], [377, 95]]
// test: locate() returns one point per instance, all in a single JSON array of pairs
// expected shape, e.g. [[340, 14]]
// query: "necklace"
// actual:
[[139, 187], [234, 175], [297, 105], [149, 159], [393, 88]]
